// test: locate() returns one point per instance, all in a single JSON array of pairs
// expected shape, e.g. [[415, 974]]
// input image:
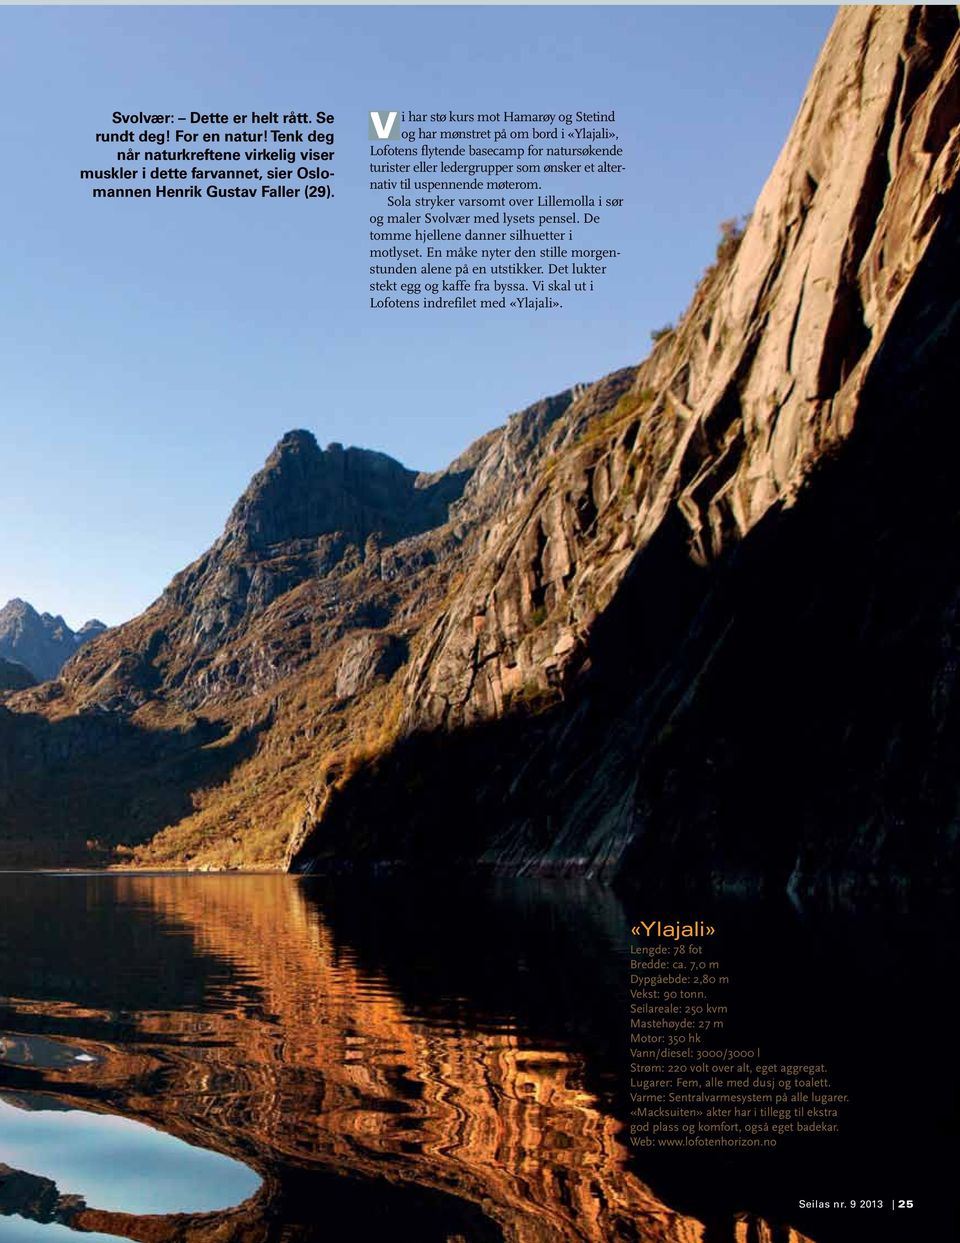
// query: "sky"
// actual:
[[152, 353]]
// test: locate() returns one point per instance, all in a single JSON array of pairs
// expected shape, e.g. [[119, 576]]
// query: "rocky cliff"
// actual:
[[722, 626], [705, 608], [39, 641]]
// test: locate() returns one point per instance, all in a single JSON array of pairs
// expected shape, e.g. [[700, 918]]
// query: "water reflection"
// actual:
[[447, 1071], [23, 1230], [116, 1163]]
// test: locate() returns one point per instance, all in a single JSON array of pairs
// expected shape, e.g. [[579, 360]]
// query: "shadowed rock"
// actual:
[[39, 641]]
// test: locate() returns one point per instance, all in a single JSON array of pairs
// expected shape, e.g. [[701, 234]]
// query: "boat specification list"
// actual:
[[694, 1082]]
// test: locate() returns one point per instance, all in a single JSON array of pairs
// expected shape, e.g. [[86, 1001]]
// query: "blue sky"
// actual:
[[153, 352]]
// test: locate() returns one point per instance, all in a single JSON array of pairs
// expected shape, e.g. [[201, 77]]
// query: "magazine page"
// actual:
[[479, 628]]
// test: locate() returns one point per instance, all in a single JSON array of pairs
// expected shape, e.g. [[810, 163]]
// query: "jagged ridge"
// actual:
[[40, 642]]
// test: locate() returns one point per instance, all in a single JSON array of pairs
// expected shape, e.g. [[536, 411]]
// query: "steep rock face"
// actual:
[[762, 379], [632, 637], [40, 641]]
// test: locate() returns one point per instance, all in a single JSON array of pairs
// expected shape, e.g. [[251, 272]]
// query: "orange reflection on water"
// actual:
[[316, 1061]]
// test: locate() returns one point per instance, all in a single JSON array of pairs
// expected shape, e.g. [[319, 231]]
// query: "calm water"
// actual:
[[269, 1060]]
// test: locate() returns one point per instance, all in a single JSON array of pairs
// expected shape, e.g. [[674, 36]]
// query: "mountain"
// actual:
[[40, 641], [704, 609], [731, 613], [200, 732], [14, 676]]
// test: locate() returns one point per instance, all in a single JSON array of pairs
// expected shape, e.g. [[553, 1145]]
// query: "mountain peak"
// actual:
[[297, 441], [304, 492], [18, 608], [42, 642]]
